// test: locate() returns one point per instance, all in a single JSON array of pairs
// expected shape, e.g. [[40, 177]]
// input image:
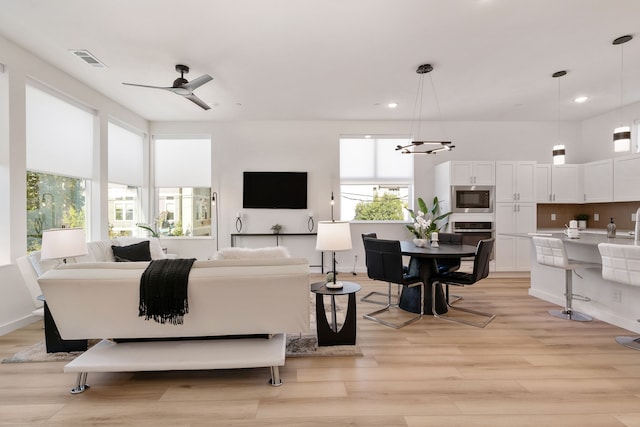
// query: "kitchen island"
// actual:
[[611, 302]]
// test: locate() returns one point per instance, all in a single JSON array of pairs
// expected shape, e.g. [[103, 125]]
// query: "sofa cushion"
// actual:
[[252, 253], [135, 252], [154, 245]]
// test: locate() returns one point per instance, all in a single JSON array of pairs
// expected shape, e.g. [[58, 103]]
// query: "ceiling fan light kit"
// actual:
[[183, 87], [437, 145]]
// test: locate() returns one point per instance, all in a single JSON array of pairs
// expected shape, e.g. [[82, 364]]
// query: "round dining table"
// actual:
[[423, 262]]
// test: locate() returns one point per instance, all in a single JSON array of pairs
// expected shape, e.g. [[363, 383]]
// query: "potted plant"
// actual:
[[276, 228], [582, 221], [425, 221]]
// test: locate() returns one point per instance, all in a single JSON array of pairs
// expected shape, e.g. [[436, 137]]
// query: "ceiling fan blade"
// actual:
[[151, 87], [196, 83], [197, 101]]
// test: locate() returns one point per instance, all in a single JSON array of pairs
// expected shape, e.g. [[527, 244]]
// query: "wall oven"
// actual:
[[474, 231], [472, 198]]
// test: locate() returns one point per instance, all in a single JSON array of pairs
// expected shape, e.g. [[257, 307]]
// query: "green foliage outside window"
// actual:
[[52, 201], [385, 207]]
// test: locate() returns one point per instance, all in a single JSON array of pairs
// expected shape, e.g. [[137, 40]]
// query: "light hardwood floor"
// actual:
[[524, 369]]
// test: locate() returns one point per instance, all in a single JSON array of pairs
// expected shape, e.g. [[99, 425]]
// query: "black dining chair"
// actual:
[[456, 278], [449, 265], [384, 263], [368, 297]]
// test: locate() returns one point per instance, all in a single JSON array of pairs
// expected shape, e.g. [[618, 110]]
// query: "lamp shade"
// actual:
[[622, 139], [60, 243], [558, 154], [333, 236]]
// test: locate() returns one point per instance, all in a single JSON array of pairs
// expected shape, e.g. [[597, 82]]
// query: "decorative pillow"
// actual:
[[154, 245], [135, 252], [250, 253]]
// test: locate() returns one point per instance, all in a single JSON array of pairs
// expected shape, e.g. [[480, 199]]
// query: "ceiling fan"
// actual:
[[183, 87]]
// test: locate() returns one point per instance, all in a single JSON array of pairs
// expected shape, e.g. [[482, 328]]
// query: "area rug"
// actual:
[[297, 346]]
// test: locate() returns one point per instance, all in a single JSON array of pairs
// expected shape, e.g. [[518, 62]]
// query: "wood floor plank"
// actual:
[[526, 368]]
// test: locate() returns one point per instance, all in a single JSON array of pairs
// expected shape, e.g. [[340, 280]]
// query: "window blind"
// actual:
[[126, 165], [182, 162]]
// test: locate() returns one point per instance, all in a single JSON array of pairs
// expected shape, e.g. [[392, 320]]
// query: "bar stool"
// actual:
[[621, 263], [551, 252]]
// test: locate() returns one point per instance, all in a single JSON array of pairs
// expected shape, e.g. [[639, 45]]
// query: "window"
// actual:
[[375, 179], [183, 186], [126, 172], [59, 162]]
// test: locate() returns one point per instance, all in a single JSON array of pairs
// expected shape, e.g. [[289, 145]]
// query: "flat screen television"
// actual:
[[274, 190]]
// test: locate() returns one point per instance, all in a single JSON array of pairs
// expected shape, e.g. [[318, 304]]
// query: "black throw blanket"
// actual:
[[163, 290]]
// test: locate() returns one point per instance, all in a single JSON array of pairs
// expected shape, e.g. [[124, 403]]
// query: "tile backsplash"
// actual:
[[620, 211]]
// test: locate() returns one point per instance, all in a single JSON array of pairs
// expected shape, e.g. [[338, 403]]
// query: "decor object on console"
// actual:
[[239, 222], [311, 223], [333, 236], [63, 243], [425, 221], [276, 228], [622, 134], [437, 145]]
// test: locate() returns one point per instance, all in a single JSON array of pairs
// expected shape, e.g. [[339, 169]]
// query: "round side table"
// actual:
[[329, 334]]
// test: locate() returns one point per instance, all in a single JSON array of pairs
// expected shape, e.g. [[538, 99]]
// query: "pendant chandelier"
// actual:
[[431, 147], [622, 134], [558, 150]]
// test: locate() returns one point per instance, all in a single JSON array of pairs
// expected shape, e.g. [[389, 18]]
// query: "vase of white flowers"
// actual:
[[425, 221]]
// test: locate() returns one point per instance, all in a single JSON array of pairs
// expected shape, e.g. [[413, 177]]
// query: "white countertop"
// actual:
[[587, 237]]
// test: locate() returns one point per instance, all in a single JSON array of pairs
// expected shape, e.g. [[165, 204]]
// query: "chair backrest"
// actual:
[[384, 260], [372, 235], [550, 251], [620, 263], [451, 238], [482, 258]]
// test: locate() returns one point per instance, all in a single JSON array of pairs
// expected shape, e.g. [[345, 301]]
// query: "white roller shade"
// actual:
[[182, 162], [125, 156], [59, 135]]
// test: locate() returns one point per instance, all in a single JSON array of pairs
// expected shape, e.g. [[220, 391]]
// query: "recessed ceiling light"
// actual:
[[581, 99], [392, 104], [367, 136]]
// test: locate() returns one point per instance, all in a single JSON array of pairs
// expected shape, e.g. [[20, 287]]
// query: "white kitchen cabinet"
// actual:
[[472, 173], [626, 179], [559, 183], [598, 181], [515, 181], [514, 253]]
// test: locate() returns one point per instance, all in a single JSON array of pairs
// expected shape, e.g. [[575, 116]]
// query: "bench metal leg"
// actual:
[[275, 380], [81, 384]]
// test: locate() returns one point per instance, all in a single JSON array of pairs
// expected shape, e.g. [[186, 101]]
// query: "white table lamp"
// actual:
[[333, 236], [63, 243]]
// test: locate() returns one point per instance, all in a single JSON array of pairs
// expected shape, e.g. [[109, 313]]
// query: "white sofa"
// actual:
[[99, 300]]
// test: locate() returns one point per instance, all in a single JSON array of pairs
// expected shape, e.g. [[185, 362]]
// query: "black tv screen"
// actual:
[[274, 190]]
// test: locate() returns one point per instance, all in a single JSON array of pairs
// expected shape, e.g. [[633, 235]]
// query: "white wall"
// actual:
[[19, 66], [313, 146]]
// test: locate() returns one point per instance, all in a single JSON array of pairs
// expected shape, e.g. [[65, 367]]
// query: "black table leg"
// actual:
[[326, 335], [54, 341], [411, 297]]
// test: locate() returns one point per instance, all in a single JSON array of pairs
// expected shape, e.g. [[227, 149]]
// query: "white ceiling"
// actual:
[[343, 59]]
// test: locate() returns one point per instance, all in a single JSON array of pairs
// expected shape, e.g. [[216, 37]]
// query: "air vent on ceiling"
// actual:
[[87, 57]]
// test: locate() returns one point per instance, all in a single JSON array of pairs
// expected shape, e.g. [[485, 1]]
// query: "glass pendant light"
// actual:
[[622, 134]]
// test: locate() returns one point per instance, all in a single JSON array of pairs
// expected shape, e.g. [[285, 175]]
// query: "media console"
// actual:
[[277, 237]]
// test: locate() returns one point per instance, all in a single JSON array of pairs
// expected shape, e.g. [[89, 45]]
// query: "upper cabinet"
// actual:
[[559, 183], [626, 178], [598, 181], [472, 173], [515, 181]]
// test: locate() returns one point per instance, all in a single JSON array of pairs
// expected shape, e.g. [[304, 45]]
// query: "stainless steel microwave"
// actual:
[[472, 198]]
